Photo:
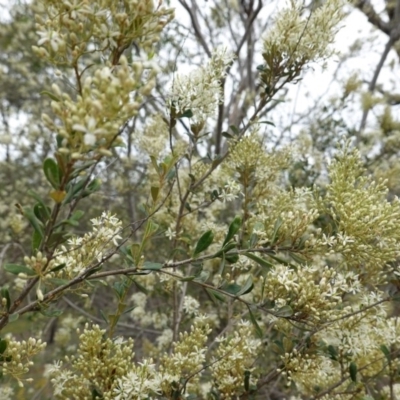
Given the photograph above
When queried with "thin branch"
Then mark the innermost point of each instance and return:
(101, 321)
(393, 30)
(373, 82)
(368, 10)
(196, 26)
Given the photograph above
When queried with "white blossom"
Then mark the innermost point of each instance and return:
(200, 91)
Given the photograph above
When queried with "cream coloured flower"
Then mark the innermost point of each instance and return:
(200, 91)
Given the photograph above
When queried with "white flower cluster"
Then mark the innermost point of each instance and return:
(312, 294)
(97, 114)
(138, 383)
(238, 352)
(301, 37)
(200, 91)
(67, 28)
(368, 237)
(83, 251)
(108, 365)
(17, 358)
(191, 305)
(231, 191)
(81, 35)
(6, 392)
(357, 338)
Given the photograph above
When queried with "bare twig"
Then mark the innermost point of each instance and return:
(366, 7)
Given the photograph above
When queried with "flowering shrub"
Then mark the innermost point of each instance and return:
(222, 280)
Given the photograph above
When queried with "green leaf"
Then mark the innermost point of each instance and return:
(171, 174)
(93, 270)
(234, 129)
(247, 380)
(202, 276)
(36, 241)
(188, 278)
(96, 394)
(258, 226)
(40, 201)
(282, 261)
(222, 265)
(51, 313)
(229, 246)
(73, 189)
(50, 94)
(232, 288)
(5, 294)
(233, 229)
(151, 229)
(3, 346)
(247, 287)
(267, 122)
(57, 281)
(70, 221)
(17, 269)
(155, 164)
(332, 352)
(77, 215)
(253, 240)
(104, 316)
(135, 251)
(52, 172)
(227, 135)
(214, 195)
(261, 67)
(42, 212)
(58, 267)
(277, 226)
(186, 114)
(120, 287)
(140, 287)
(78, 169)
(255, 323)
(215, 295)
(155, 190)
(93, 186)
(152, 266)
(204, 242)
(58, 238)
(386, 352)
(284, 312)
(297, 258)
(353, 371)
(36, 224)
(13, 317)
(232, 258)
(264, 263)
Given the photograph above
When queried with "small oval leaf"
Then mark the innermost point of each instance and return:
(247, 287)
(204, 242)
(155, 190)
(3, 346)
(36, 224)
(152, 266)
(17, 269)
(284, 312)
(353, 371)
(52, 172)
(233, 229)
(253, 320)
(264, 263)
